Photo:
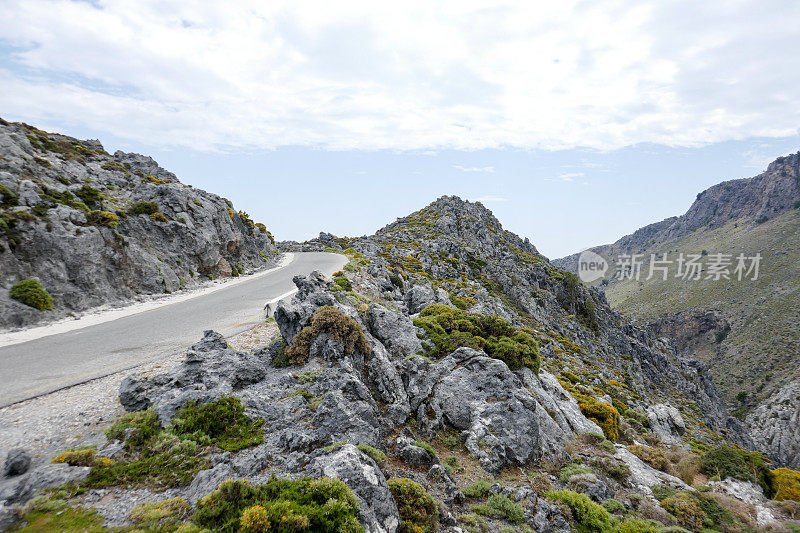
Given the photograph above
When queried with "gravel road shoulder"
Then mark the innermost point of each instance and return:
(78, 416)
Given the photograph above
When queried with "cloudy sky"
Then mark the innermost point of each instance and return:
(576, 122)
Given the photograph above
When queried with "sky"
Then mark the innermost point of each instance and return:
(574, 122)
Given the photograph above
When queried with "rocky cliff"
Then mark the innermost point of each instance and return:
(746, 330)
(99, 229)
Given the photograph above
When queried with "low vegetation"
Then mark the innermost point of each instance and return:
(31, 293)
(337, 326)
(448, 328)
(418, 509)
(171, 457)
(280, 505)
(143, 208)
(221, 423)
(728, 462)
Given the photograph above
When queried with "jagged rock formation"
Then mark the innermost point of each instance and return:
(775, 425)
(747, 331)
(68, 216)
(458, 251)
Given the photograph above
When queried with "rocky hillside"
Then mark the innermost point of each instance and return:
(448, 379)
(96, 229)
(457, 253)
(747, 331)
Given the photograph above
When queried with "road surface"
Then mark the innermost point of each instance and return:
(50, 363)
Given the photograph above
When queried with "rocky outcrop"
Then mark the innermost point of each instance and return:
(666, 423)
(775, 426)
(66, 218)
(504, 418)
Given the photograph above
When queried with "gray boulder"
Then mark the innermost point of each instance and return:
(210, 370)
(394, 330)
(377, 509)
(313, 292)
(418, 298)
(17, 462)
(472, 392)
(20, 489)
(666, 422)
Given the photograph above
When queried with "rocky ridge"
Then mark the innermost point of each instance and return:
(97, 229)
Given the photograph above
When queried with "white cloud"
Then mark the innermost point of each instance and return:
(489, 198)
(452, 75)
(473, 169)
(569, 176)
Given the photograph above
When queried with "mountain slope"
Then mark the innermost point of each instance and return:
(99, 229)
(460, 251)
(748, 331)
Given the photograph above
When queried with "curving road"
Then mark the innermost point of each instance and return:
(53, 362)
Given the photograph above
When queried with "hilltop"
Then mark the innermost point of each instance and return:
(95, 229)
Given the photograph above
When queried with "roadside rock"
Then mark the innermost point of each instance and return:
(394, 330)
(20, 489)
(17, 462)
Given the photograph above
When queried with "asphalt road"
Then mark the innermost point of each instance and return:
(50, 363)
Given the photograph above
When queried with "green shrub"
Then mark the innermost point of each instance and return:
(726, 461)
(115, 166)
(143, 208)
(158, 217)
(89, 195)
(43, 514)
(449, 328)
(146, 427)
(417, 508)
(428, 448)
(501, 506)
(638, 526)
(31, 293)
(104, 218)
(221, 423)
(337, 325)
(342, 283)
(686, 509)
(479, 489)
(613, 506)
(787, 484)
(165, 461)
(288, 505)
(374, 453)
(592, 517)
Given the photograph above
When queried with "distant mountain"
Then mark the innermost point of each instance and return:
(748, 331)
(95, 228)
